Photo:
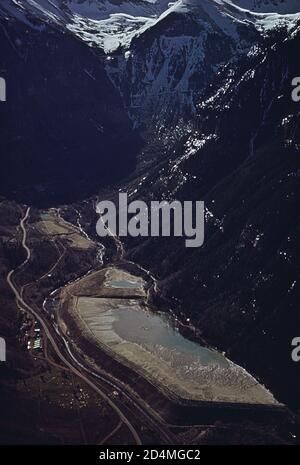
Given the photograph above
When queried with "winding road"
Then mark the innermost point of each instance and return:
(98, 380)
(47, 331)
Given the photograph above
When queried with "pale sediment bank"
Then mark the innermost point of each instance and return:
(113, 316)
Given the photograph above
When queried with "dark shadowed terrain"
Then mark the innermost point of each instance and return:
(195, 106)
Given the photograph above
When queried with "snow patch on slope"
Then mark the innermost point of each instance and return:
(110, 24)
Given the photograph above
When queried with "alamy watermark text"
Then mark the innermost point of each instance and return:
(163, 218)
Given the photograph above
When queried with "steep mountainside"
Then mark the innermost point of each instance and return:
(213, 77)
(167, 67)
(241, 289)
(267, 6)
(163, 73)
(68, 120)
(161, 55)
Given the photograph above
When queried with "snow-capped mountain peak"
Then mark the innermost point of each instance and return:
(269, 6)
(110, 24)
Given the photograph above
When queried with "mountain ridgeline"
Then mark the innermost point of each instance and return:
(241, 289)
(207, 87)
(64, 130)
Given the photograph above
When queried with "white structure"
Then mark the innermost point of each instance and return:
(2, 90)
(2, 350)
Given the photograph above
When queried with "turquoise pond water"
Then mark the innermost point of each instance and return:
(144, 327)
(123, 284)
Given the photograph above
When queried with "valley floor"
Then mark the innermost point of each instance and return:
(42, 285)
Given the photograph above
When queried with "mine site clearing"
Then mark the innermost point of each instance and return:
(110, 310)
